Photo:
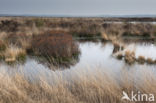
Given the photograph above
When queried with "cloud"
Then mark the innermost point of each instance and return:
(78, 7)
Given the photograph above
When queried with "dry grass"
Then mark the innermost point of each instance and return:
(141, 59)
(117, 47)
(105, 36)
(81, 27)
(99, 87)
(150, 61)
(3, 35)
(56, 46)
(13, 53)
(130, 57)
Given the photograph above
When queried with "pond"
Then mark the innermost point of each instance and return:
(95, 56)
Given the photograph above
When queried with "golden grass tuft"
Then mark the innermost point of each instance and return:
(150, 61)
(105, 36)
(141, 60)
(14, 53)
(130, 57)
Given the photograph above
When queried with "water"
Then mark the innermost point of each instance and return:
(95, 56)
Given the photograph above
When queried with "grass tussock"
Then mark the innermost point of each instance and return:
(141, 60)
(14, 53)
(129, 57)
(150, 61)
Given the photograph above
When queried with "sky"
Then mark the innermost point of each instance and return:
(78, 7)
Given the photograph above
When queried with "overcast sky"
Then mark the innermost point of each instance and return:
(78, 7)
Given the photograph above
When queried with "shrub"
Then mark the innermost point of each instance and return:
(9, 25)
(55, 46)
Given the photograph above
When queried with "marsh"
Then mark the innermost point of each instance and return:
(87, 59)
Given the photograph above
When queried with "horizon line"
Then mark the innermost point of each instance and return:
(73, 15)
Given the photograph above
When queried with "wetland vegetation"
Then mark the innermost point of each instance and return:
(76, 60)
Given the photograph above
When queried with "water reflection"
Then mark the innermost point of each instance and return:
(95, 56)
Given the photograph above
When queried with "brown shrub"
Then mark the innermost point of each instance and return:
(9, 25)
(55, 44)
(81, 27)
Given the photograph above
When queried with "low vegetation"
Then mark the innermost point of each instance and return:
(80, 27)
(150, 61)
(141, 60)
(55, 46)
(99, 87)
(120, 56)
(14, 53)
(129, 57)
(52, 39)
(2, 45)
(117, 47)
